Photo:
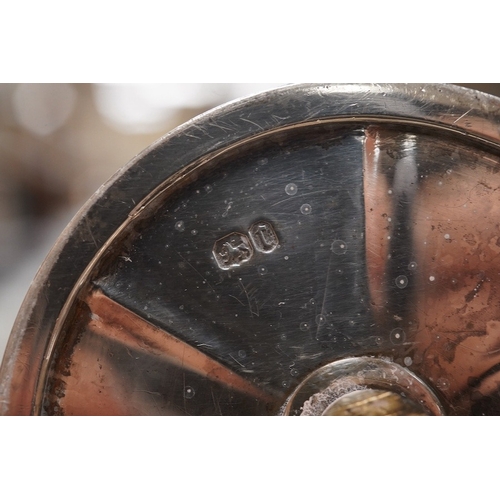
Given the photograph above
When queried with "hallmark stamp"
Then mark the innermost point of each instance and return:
(237, 248)
(263, 236)
(232, 250)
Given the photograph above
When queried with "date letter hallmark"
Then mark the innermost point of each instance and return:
(232, 250)
(263, 237)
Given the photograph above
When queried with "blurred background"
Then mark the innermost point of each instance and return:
(60, 142)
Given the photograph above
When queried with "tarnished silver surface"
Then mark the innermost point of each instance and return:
(267, 239)
(372, 402)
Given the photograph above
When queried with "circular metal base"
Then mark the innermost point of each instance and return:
(270, 241)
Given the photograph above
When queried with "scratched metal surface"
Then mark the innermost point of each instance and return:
(268, 238)
(274, 317)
